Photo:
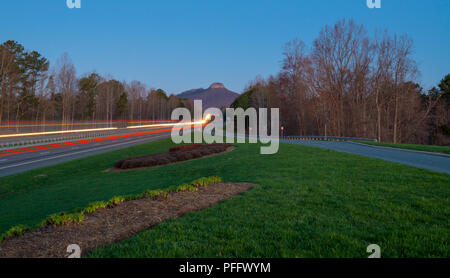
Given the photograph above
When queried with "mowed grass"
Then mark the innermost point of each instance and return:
(310, 203)
(423, 148)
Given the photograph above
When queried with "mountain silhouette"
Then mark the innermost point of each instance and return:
(215, 96)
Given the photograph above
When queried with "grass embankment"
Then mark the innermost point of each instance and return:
(423, 148)
(78, 216)
(310, 203)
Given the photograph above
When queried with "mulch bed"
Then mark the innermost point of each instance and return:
(107, 226)
(175, 154)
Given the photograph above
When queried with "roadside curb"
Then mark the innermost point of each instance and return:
(400, 149)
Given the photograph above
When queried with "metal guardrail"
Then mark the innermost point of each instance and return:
(39, 139)
(327, 138)
(89, 135)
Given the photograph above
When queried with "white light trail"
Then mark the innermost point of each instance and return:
(56, 132)
(167, 125)
(100, 129)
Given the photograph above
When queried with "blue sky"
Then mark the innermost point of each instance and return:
(183, 44)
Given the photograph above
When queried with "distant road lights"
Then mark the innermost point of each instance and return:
(168, 125)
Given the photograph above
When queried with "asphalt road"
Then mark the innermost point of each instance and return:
(422, 160)
(22, 162)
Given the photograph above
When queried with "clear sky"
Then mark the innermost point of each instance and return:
(183, 44)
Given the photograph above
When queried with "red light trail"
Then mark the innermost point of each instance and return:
(77, 142)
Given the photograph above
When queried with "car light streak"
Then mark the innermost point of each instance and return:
(86, 122)
(49, 124)
(166, 125)
(56, 132)
(99, 129)
(46, 125)
(80, 142)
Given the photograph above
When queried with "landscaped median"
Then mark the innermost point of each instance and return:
(121, 217)
(175, 155)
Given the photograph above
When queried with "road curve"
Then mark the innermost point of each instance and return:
(422, 160)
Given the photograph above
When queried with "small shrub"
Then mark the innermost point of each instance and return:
(175, 154)
(93, 207)
(13, 232)
(134, 197)
(205, 151)
(118, 164)
(172, 158)
(216, 149)
(187, 187)
(163, 161)
(188, 155)
(153, 193)
(207, 181)
(115, 201)
(124, 164)
(180, 156)
(63, 218)
(196, 153)
(163, 195)
(136, 163)
(172, 188)
(149, 162)
(182, 187)
(192, 188)
(133, 164)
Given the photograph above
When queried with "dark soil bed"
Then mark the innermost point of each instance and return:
(115, 224)
(175, 154)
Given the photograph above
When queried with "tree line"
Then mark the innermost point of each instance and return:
(31, 90)
(355, 85)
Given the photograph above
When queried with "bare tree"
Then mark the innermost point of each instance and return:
(9, 76)
(297, 74)
(66, 84)
(334, 51)
(136, 91)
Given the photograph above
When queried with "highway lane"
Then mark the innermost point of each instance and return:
(22, 162)
(61, 137)
(432, 162)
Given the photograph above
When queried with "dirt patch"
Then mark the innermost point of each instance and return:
(112, 225)
(178, 159)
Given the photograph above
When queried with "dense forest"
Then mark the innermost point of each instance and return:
(31, 90)
(350, 84)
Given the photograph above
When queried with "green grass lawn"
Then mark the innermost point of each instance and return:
(310, 203)
(424, 148)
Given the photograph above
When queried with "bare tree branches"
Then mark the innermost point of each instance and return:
(348, 85)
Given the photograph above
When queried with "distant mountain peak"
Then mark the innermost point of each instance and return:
(215, 96)
(217, 85)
